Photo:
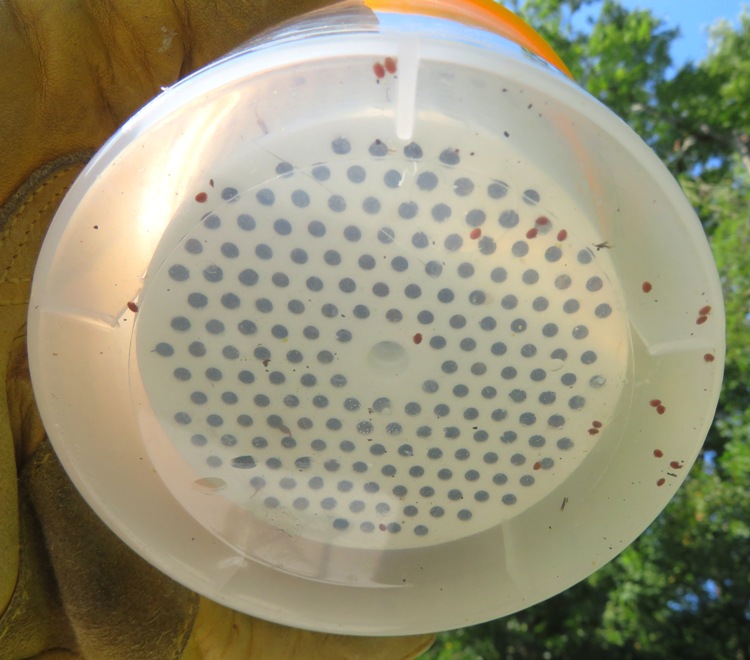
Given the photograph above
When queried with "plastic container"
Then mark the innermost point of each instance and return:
(380, 325)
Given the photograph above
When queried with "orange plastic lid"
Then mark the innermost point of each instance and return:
(480, 13)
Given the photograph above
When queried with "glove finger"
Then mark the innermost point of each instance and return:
(221, 634)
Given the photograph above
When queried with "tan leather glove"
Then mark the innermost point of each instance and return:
(72, 72)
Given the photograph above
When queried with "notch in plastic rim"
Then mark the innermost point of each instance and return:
(485, 14)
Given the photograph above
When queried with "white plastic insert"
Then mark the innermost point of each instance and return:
(383, 330)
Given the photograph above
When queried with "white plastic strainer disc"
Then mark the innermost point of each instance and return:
(387, 330)
(384, 341)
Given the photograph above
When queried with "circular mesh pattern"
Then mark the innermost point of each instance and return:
(382, 343)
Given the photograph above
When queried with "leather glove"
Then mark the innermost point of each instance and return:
(72, 72)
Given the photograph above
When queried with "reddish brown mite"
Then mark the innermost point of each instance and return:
(708, 357)
(378, 69)
(654, 402)
(538, 465)
(132, 307)
(593, 431)
(596, 424)
(390, 65)
(675, 465)
(201, 197)
(417, 338)
(658, 453)
(562, 235)
(703, 313)
(660, 410)
(475, 233)
(382, 527)
(646, 287)
(532, 232)
(542, 221)
(661, 482)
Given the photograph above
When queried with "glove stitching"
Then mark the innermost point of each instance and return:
(9, 207)
(14, 220)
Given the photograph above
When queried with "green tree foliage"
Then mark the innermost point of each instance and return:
(683, 589)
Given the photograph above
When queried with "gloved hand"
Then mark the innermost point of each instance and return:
(72, 72)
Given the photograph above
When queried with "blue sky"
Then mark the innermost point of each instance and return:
(693, 18)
